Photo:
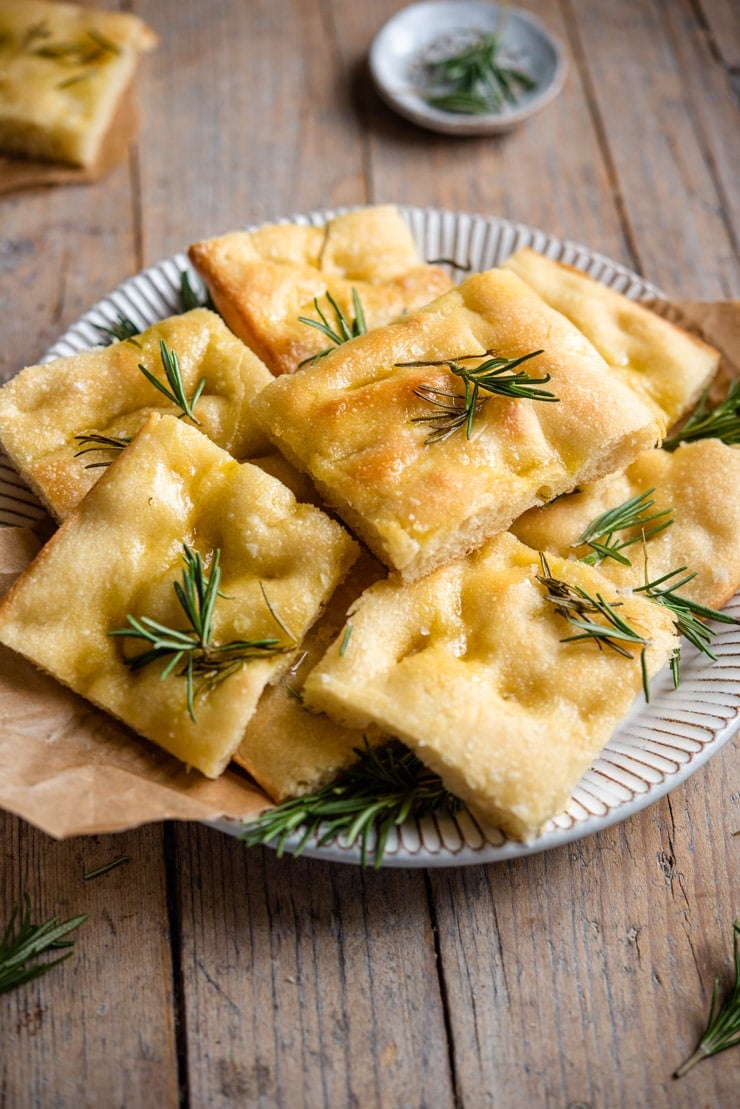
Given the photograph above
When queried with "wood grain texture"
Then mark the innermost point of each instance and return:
(212, 976)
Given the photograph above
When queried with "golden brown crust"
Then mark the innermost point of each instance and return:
(349, 422)
(44, 407)
(65, 69)
(668, 367)
(263, 281)
(121, 550)
(699, 481)
(469, 668)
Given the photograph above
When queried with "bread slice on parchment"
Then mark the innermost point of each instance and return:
(119, 555)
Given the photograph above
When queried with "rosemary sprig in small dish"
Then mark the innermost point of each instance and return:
(721, 422)
(723, 1024)
(495, 375)
(23, 943)
(190, 652)
(341, 331)
(386, 786)
(475, 79)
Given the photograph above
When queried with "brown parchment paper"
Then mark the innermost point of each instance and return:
(70, 769)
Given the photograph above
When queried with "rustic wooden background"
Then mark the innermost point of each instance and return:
(211, 976)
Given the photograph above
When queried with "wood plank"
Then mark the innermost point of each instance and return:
(646, 108)
(306, 983)
(99, 1028)
(245, 120)
(722, 19)
(583, 975)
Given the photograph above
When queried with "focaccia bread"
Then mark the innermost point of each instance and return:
(120, 553)
(288, 750)
(699, 481)
(64, 71)
(263, 281)
(667, 367)
(104, 392)
(469, 668)
(350, 422)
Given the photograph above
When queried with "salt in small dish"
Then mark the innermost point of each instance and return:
(423, 33)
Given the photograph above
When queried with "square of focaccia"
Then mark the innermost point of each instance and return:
(469, 668)
(64, 70)
(103, 391)
(263, 281)
(350, 423)
(666, 366)
(699, 482)
(121, 551)
(288, 750)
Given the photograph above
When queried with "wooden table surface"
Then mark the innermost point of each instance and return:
(209, 975)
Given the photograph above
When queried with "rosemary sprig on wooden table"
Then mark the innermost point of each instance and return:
(341, 331)
(494, 376)
(474, 80)
(723, 1024)
(24, 942)
(192, 648)
(578, 607)
(603, 534)
(721, 422)
(384, 788)
(176, 392)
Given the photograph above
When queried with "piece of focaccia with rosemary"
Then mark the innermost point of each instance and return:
(140, 554)
(64, 71)
(62, 422)
(288, 750)
(695, 487)
(380, 424)
(263, 281)
(469, 667)
(666, 366)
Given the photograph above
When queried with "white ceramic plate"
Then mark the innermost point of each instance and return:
(437, 28)
(658, 746)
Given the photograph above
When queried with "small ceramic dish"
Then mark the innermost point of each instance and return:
(423, 33)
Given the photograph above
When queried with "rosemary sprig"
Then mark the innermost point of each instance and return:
(121, 329)
(495, 375)
(95, 442)
(721, 422)
(176, 392)
(341, 332)
(23, 942)
(384, 788)
(475, 80)
(603, 534)
(189, 299)
(192, 648)
(578, 607)
(723, 1024)
(688, 615)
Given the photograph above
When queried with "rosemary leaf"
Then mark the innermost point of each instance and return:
(631, 514)
(189, 299)
(473, 80)
(723, 1024)
(496, 375)
(341, 331)
(384, 788)
(192, 649)
(23, 942)
(94, 442)
(100, 870)
(721, 422)
(176, 392)
(121, 329)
